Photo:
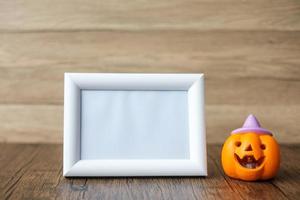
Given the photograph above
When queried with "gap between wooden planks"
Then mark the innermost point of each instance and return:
(44, 123)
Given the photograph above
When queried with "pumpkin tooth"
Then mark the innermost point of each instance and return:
(251, 165)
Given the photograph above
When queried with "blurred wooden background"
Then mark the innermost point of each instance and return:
(249, 51)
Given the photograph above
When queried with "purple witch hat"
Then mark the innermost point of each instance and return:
(251, 125)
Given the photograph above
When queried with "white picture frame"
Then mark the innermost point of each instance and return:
(193, 84)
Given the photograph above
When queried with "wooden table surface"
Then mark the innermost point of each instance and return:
(34, 171)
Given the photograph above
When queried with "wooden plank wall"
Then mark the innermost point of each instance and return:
(248, 50)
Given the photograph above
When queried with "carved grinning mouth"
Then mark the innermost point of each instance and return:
(249, 162)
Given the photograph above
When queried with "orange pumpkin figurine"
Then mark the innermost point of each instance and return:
(251, 153)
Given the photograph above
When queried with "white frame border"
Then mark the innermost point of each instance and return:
(193, 83)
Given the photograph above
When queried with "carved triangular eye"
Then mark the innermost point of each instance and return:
(263, 147)
(249, 148)
(238, 143)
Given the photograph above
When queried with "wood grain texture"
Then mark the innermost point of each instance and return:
(19, 15)
(31, 123)
(246, 72)
(239, 66)
(44, 123)
(248, 50)
(39, 176)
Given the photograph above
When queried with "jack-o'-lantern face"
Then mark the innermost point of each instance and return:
(250, 156)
